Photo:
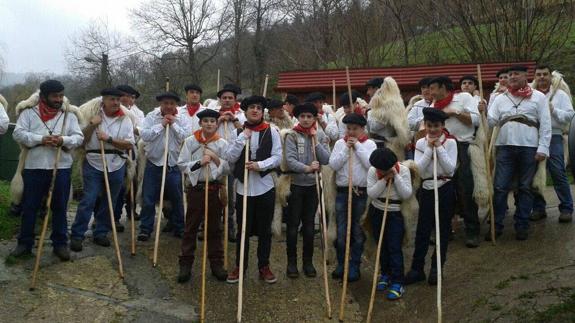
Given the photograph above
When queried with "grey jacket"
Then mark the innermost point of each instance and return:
(299, 154)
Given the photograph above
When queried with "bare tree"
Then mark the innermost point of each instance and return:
(240, 21)
(193, 28)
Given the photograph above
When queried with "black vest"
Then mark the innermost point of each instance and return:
(264, 152)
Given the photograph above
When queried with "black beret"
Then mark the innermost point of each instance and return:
(208, 113)
(434, 115)
(193, 87)
(230, 88)
(275, 104)
(354, 118)
(305, 107)
(374, 82)
(502, 71)
(344, 98)
(291, 99)
(517, 68)
(111, 92)
(469, 78)
(254, 99)
(382, 159)
(442, 80)
(128, 89)
(51, 86)
(315, 96)
(424, 81)
(168, 95)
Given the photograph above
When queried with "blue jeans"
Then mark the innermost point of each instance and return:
(36, 186)
(358, 204)
(511, 161)
(556, 167)
(391, 257)
(94, 187)
(151, 195)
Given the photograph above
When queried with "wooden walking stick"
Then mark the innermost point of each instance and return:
(162, 186)
(487, 159)
(333, 97)
(111, 210)
(205, 246)
(218, 84)
(437, 238)
(132, 220)
(48, 208)
(319, 188)
(265, 91)
(226, 208)
(243, 234)
(377, 255)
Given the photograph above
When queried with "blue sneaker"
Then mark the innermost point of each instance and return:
(383, 283)
(395, 292)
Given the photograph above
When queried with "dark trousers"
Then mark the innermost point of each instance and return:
(194, 217)
(391, 256)
(358, 204)
(465, 185)
(259, 215)
(36, 186)
(303, 205)
(426, 223)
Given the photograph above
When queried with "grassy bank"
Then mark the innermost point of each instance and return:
(8, 223)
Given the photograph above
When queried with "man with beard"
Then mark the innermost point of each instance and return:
(520, 110)
(40, 130)
(113, 127)
(562, 112)
(264, 156)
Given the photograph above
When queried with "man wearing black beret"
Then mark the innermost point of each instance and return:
(192, 106)
(373, 85)
(325, 115)
(128, 99)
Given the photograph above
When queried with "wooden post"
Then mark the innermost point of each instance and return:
(265, 91)
(218, 84)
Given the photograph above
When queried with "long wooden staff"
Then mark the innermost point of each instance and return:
(162, 185)
(243, 234)
(205, 246)
(111, 210)
(377, 255)
(226, 208)
(48, 207)
(487, 159)
(218, 84)
(333, 96)
(437, 237)
(132, 220)
(319, 188)
(265, 91)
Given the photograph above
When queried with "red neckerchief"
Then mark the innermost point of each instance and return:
(524, 92)
(361, 139)
(359, 111)
(234, 109)
(305, 131)
(193, 108)
(118, 113)
(380, 174)
(441, 104)
(46, 113)
(200, 137)
(257, 127)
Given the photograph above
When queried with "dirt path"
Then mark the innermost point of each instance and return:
(511, 282)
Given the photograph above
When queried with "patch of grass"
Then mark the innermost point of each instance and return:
(8, 223)
(496, 307)
(562, 312)
(527, 295)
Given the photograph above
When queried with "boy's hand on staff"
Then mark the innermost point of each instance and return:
(168, 119)
(102, 135)
(252, 165)
(431, 142)
(540, 157)
(314, 167)
(351, 141)
(206, 159)
(247, 133)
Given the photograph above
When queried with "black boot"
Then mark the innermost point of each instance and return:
(291, 269)
(185, 273)
(21, 251)
(413, 276)
(308, 268)
(62, 252)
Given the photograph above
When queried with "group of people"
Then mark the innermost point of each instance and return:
(381, 151)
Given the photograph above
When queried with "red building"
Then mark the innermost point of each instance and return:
(300, 83)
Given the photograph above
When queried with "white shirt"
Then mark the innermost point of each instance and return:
(257, 185)
(29, 132)
(415, 115)
(535, 108)
(4, 120)
(138, 115)
(192, 152)
(116, 127)
(400, 189)
(562, 111)
(463, 102)
(338, 161)
(230, 133)
(331, 129)
(192, 121)
(153, 134)
(446, 161)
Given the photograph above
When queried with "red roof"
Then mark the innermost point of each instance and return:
(406, 77)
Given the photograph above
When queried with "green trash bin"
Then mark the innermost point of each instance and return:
(9, 152)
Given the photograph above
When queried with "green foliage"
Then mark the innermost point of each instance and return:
(8, 223)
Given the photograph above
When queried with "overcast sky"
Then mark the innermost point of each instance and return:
(34, 33)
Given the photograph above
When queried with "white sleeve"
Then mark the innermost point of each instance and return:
(562, 108)
(447, 156)
(375, 187)
(544, 126)
(4, 120)
(74, 136)
(402, 183)
(339, 155)
(22, 133)
(363, 151)
(471, 107)
(423, 154)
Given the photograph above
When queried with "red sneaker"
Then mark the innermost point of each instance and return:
(234, 276)
(267, 275)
